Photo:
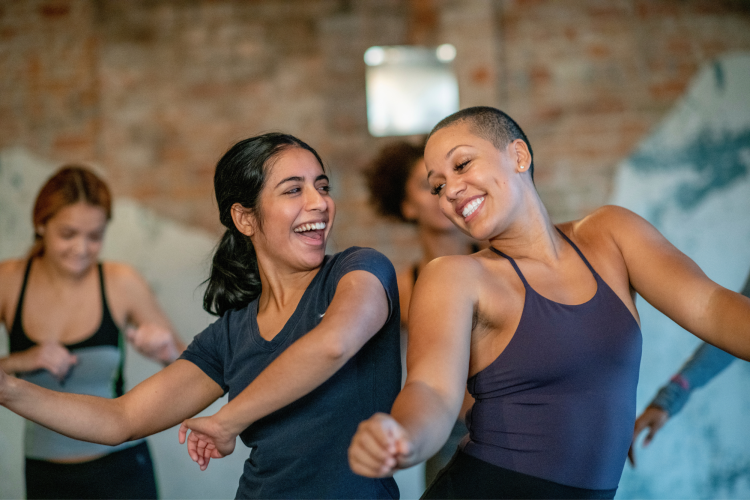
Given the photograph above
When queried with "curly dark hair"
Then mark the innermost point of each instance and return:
(387, 175)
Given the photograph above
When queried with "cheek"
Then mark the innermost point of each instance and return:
(445, 207)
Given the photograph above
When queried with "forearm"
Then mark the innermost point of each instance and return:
(426, 416)
(18, 362)
(301, 368)
(729, 323)
(86, 418)
(706, 362)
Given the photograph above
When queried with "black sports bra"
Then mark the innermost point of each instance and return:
(107, 334)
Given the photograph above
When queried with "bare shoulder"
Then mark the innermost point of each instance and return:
(609, 228)
(457, 268)
(606, 221)
(11, 278)
(12, 268)
(123, 278)
(11, 275)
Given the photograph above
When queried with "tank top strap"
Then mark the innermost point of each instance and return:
(580, 254)
(515, 266)
(106, 315)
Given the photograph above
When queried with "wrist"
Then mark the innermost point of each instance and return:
(228, 421)
(8, 387)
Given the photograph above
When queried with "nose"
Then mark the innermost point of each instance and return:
(314, 200)
(80, 246)
(453, 187)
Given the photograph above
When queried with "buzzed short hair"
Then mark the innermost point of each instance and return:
(491, 125)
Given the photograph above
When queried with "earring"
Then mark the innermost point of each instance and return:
(521, 167)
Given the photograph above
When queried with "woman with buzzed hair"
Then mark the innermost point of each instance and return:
(542, 326)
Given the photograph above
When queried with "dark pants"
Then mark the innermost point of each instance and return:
(127, 473)
(468, 477)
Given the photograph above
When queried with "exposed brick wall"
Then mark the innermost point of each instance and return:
(155, 91)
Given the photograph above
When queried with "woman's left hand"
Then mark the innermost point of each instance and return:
(208, 439)
(154, 341)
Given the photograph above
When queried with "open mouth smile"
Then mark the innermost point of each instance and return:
(471, 207)
(314, 226)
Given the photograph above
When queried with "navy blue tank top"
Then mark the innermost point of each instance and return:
(559, 402)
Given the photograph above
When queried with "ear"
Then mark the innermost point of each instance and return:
(244, 220)
(39, 230)
(522, 155)
(408, 210)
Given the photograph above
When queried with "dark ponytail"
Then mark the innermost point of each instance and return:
(240, 175)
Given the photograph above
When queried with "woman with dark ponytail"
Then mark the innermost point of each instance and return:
(306, 344)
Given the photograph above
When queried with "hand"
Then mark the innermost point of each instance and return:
(53, 357)
(379, 447)
(652, 418)
(208, 439)
(153, 341)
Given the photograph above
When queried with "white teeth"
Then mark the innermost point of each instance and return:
(310, 227)
(471, 207)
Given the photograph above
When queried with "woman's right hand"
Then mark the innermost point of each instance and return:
(53, 357)
(653, 418)
(380, 447)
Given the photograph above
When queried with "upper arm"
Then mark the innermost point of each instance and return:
(140, 303)
(440, 323)
(177, 392)
(664, 276)
(359, 309)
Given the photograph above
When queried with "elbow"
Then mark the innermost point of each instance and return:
(336, 349)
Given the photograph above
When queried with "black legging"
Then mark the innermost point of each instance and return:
(468, 478)
(127, 473)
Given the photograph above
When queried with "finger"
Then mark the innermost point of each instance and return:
(182, 433)
(369, 443)
(201, 449)
(192, 447)
(131, 333)
(369, 460)
(363, 465)
(381, 431)
(403, 447)
(651, 433)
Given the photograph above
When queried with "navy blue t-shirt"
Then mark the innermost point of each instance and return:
(300, 451)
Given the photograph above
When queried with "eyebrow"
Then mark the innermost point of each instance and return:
(447, 155)
(300, 179)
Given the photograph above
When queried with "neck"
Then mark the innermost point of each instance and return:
(281, 288)
(531, 234)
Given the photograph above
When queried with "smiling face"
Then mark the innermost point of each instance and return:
(480, 187)
(296, 211)
(420, 205)
(72, 238)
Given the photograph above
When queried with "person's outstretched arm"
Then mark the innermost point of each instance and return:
(440, 323)
(358, 310)
(159, 402)
(672, 283)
